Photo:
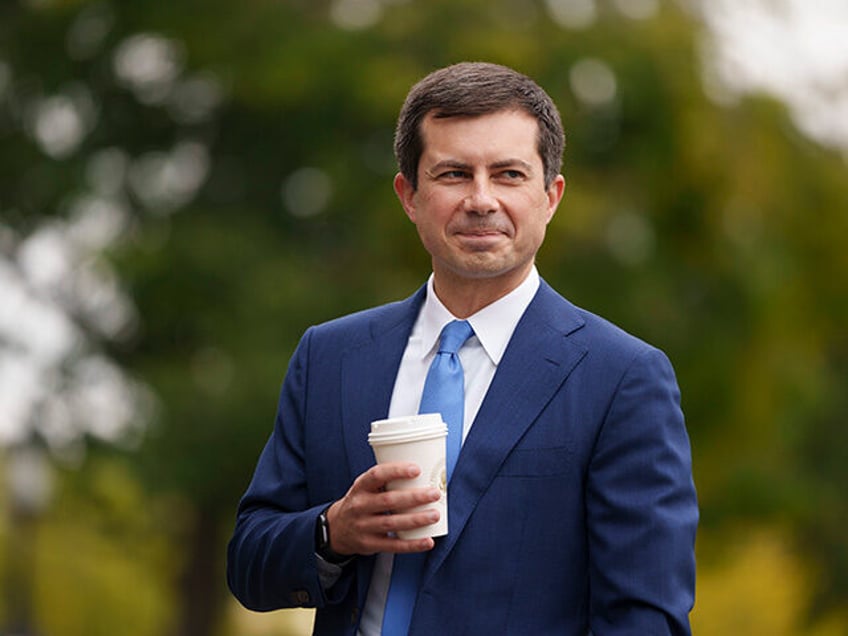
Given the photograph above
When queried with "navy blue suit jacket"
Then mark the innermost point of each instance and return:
(572, 506)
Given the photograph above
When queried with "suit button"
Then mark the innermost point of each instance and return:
(354, 615)
(299, 597)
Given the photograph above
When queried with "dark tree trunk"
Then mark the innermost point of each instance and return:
(201, 591)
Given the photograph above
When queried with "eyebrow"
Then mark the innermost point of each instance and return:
(503, 163)
(509, 163)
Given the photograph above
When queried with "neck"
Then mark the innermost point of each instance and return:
(464, 297)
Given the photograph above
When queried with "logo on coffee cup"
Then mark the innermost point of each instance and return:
(439, 477)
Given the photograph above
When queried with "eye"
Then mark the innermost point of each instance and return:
(453, 174)
(512, 175)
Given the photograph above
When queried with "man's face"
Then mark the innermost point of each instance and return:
(481, 207)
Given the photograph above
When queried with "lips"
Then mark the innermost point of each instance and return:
(481, 240)
(482, 231)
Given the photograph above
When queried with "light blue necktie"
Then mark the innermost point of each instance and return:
(444, 392)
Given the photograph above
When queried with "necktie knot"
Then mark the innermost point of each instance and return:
(454, 336)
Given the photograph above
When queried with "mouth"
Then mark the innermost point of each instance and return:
(477, 239)
(481, 231)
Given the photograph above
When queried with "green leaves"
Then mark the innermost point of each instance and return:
(246, 154)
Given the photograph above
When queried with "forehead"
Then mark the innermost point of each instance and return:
(493, 136)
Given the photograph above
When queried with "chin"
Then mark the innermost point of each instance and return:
(488, 270)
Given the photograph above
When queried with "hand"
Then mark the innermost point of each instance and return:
(361, 521)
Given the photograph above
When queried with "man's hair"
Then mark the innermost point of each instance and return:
(471, 89)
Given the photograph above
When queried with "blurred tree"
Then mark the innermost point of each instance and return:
(245, 155)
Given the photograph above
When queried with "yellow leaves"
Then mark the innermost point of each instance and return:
(757, 587)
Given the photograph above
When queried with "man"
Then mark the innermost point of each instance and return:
(571, 507)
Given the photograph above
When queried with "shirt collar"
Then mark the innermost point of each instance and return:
(493, 324)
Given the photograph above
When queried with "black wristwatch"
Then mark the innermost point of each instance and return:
(322, 541)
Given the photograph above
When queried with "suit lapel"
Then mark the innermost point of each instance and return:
(536, 362)
(368, 371)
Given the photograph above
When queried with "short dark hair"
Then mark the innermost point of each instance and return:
(470, 89)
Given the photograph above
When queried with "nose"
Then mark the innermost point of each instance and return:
(481, 199)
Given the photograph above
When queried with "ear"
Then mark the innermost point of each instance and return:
(555, 192)
(406, 194)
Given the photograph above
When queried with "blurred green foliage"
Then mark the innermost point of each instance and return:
(715, 232)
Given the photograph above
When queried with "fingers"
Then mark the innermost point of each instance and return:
(398, 546)
(377, 477)
(398, 501)
(366, 519)
(353, 533)
(379, 534)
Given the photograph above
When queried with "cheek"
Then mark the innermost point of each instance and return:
(429, 232)
(534, 219)
(433, 213)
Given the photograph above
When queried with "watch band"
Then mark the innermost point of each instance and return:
(322, 541)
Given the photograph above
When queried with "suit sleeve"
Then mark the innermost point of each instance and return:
(271, 562)
(642, 509)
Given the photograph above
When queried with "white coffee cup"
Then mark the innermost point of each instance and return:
(420, 439)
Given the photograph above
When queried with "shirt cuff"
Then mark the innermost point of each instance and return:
(329, 573)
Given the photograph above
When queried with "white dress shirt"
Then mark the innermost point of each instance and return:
(493, 326)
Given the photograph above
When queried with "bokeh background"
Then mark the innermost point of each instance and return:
(186, 185)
